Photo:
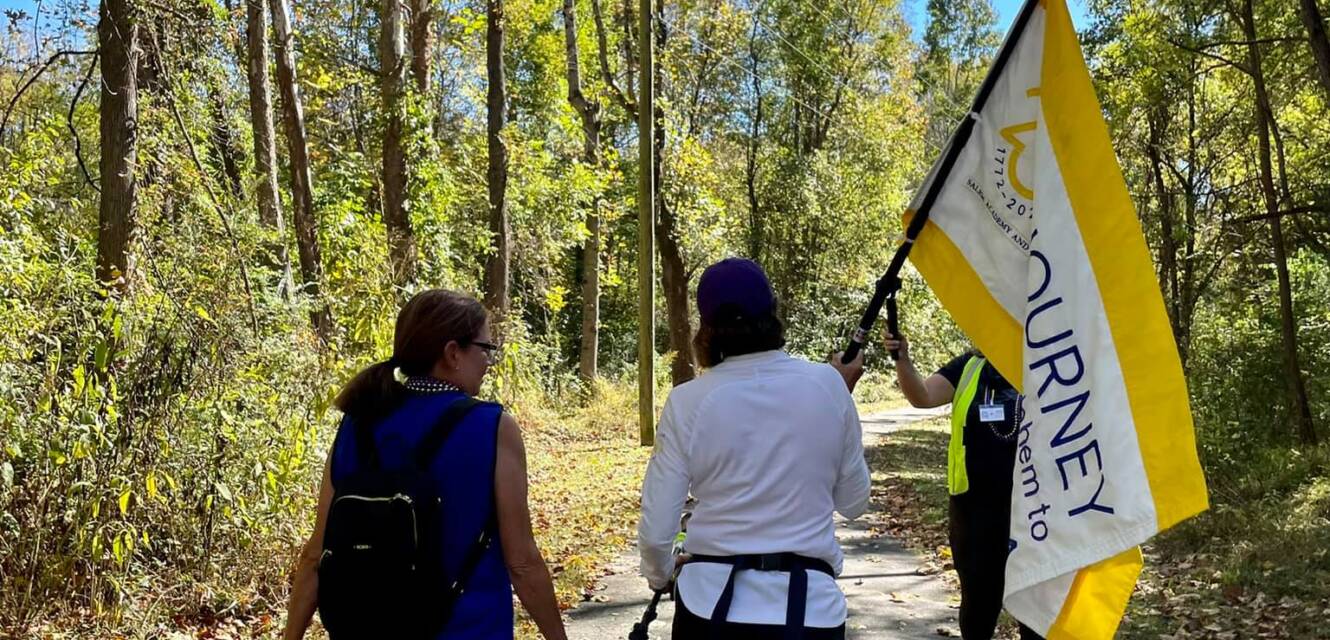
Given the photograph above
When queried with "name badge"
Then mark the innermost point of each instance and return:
(992, 413)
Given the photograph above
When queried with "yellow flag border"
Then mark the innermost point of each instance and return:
(1098, 598)
(974, 309)
(1146, 350)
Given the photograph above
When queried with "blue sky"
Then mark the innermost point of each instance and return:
(1007, 10)
(30, 7)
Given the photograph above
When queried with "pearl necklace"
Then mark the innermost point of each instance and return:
(423, 384)
(1017, 416)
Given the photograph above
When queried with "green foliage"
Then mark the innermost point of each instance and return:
(958, 45)
(960, 38)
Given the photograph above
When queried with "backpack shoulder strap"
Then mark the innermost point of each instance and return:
(367, 453)
(477, 550)
(443, 427)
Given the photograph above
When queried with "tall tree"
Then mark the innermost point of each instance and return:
(497, 265)
(1264, 114)
(960, 39)
(673, 274)
(625, 99)
(422, 43)
(590, 113)
(117, 39)
(1316, 38)
(392, 69)
(753, 147)
(260, 118)
(1155, 90)
(223, 143)
(302, 188)
(1157, 122)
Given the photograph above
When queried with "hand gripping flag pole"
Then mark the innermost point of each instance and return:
(890, 283)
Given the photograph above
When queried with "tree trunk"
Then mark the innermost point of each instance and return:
(1320, 44)
(674, 281)
(496, 267)
(630, 48)
(1191, 288)
(392, 54)
(422, 43)
(754, 145)
(224, 144)
(603, 55)
(260, 116)
(1299, 405)
(265, 149)
(117, 38)
(673, 275)
(1168, 241)
(590, 348)
(302, 188)
(590, 114)
(149, 59)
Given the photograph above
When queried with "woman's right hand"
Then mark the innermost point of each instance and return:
(901, 345)
(679, 561)
(850, 372)
(526, 567)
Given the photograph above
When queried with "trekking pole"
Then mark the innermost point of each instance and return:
(640, 629)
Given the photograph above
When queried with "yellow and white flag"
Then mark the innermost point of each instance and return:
(1033, 246)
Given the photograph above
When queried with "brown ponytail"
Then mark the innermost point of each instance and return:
(425, 325)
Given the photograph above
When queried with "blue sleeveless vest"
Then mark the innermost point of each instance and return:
(464, 471)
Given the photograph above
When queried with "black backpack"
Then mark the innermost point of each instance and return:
(381, 573)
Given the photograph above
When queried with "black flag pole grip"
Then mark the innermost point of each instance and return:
(885, 293)
(893, 325)
(639, 631)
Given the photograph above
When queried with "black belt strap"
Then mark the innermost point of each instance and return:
(796, 565)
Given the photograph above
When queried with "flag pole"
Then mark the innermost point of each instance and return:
(890, 283)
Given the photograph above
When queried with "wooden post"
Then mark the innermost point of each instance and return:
(646, 224)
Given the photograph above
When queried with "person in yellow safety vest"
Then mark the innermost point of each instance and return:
(980, 456)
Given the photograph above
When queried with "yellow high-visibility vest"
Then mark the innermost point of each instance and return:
(957, 480)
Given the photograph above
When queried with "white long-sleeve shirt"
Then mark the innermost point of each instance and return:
(769, 445)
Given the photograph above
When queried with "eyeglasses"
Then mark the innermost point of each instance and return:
(492, 351)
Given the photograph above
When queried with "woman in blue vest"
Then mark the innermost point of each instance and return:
(770, 446)
(442, 347)
(980, 459)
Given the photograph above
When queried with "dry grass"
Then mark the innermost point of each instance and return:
(586, 469)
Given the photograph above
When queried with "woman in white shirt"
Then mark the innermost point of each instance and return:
(769, 445)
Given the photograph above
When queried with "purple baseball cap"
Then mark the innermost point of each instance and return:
(737, 281)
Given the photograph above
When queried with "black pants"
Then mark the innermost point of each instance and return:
(978, 529)
(688, 626)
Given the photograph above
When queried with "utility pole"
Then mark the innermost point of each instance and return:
(646, 224)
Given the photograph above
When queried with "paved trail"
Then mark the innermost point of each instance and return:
(891, 592)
